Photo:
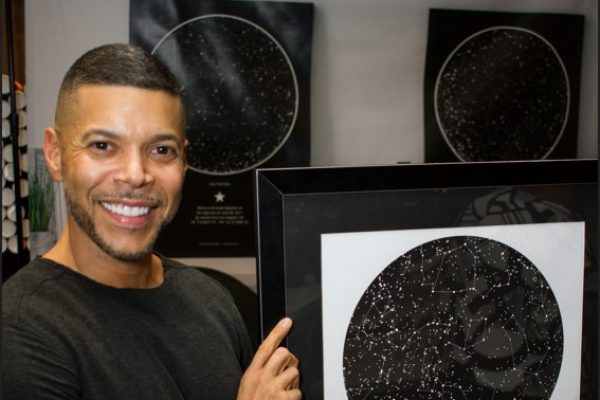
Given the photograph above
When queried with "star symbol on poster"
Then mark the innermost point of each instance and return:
(219, 197)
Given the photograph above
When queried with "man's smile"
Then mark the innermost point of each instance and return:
(125, 210)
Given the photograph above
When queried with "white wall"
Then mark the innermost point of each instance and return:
(367, 73)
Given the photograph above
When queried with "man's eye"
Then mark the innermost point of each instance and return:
(100, 145)
(164, 150)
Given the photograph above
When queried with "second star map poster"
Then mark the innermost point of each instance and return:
(501, 86)
(488, 312)
(244, 68)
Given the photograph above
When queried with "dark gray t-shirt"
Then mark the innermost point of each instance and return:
(68, 337)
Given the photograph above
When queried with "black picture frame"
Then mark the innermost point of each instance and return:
(295, 206)
(494, 106)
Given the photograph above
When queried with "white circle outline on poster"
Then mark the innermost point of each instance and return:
(292, 73)
(457, 152)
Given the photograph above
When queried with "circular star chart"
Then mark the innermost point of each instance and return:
(239, 88)
(502, 94)
(461, 317)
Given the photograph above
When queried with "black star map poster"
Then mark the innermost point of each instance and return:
(245, 72)
(501, 86)
(455, 313)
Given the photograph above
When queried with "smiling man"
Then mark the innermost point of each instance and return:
(120, 151)
(102, 316)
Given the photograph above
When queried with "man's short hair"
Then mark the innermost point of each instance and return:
(117, 64)
(123, 65)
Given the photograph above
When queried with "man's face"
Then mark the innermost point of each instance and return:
(121, 156)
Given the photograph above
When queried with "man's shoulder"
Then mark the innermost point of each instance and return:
(180, 269)
(195, 277)
(172, 263)
(29, 278)
(30, 286)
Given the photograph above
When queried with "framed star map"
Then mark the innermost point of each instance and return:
(434, 281)
(244, 69)
(501, 86)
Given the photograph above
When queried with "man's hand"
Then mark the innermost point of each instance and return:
(273, 373)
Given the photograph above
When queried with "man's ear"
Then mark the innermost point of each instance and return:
(52, 153)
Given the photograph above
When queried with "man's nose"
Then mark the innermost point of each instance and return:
(133, 169)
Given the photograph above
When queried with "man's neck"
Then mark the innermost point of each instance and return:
(85, 257)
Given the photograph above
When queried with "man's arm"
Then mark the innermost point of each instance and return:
(32, 369)
(273, 373)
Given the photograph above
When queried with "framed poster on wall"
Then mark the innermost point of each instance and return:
(244, 68)
(501, 86)
(453, 280)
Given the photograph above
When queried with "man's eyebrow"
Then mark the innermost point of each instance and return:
(99, 132)
(158, 137)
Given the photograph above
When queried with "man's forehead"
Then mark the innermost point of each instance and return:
(99, 96)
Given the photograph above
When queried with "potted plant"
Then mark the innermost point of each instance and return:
(41, 207)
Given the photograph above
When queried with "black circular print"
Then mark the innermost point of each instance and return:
(502, 94)
(461, 317)
(239, 89)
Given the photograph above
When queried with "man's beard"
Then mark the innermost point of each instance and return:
(85, 222)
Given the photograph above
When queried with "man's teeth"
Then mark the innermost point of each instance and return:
(126, 211)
